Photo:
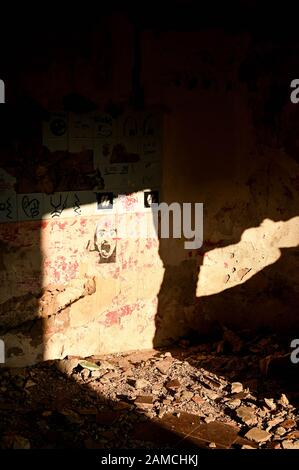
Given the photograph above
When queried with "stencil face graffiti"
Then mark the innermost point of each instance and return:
(105, 244)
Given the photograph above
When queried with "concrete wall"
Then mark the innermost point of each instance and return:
(221, 146)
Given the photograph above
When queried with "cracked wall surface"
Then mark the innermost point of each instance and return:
(227, 142)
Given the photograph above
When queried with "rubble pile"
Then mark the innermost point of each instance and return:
(204, 396)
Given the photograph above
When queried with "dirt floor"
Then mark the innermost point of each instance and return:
(236, 392)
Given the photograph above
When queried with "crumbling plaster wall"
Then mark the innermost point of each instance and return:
(57, 300)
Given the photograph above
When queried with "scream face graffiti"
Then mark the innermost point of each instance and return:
(105, 243)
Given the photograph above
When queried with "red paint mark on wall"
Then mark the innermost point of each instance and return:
(130, 201)
(116, 273)
(114, 316)
(149, 244)
(62, 225)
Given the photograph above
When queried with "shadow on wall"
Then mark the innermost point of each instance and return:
(265, 298)
(200, 288)
(220, 283)
(268, 300)
(246, 269)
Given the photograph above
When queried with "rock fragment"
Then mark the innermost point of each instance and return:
(236, 387)
(247, 415)
(258, 435)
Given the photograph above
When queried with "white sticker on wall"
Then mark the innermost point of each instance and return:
(68, 204)
(8, 206)
(30, 206)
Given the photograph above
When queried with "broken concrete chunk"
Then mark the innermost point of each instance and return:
(173, 384)
(138, 383)
(236, 387)
(66, 366)
(247, 415)
(287, 444)
(211, 394)
(273, 422)
(288, 423)
(280, 431)
(186, 395)
(293, 435)
(209, 419)
(141, 356)
(197, 399)
(233, 404)
(258, 435)
(164, 365)
(283, 401)
(144, 401)
(270, 403)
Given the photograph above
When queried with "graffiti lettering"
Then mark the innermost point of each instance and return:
(30, 207)
(59, 207)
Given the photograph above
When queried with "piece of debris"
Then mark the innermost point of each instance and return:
(186, 395)
(233, 404)
(247, 415)
(164, 365)
(236, 387)
(138, 383)
(173, 384)
(89, 365)
(144, 401)
(280, 431)
(109, 398)
(283, 401)
(287, 444)
(288, 423)
(258, 435)
(270, 403)
(67, 365)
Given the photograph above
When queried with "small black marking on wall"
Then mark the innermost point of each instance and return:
(104, 200)
(150, 198)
